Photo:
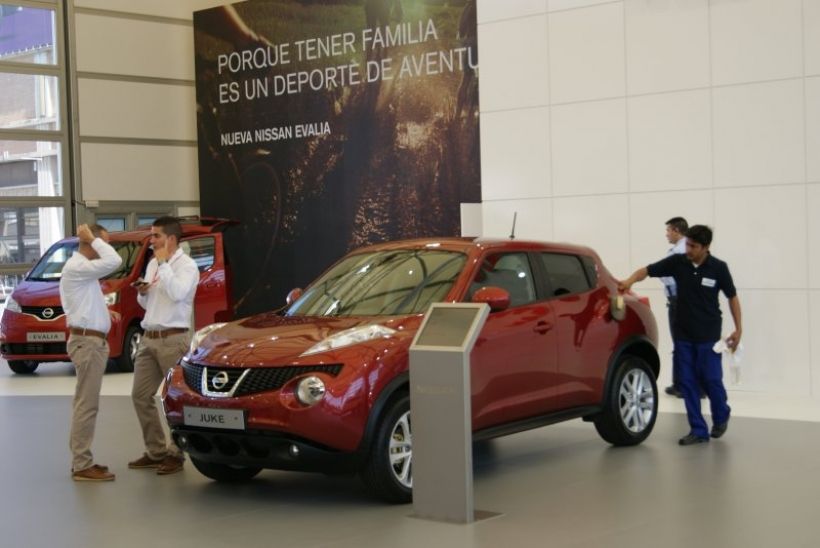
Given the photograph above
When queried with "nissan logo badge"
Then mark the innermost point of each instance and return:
(219, 380)
(48, 313)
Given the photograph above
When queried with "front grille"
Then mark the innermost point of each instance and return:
(29, 349)
(43, 312)
(261, 379)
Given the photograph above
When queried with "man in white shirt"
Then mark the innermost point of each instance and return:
(89, 321)
(167, 295)
(676, 229)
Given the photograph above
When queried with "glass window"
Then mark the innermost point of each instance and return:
(30, 168)
(29, 101)
(27, 35)
(510, 271)
(111, 224)
(27, 232)
(50, 267)
(565, 274)
(146, 220)
(201, 250)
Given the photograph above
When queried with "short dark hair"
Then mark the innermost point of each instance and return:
(678, 224)
(700, 234)
(97, 230)
(170, 226)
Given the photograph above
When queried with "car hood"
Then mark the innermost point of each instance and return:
(271, 339)
(35, 293)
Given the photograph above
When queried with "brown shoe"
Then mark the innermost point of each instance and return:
(93, 473)
(170, 465)
(145, 462)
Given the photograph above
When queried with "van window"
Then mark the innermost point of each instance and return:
(50, 266)
(201, 250)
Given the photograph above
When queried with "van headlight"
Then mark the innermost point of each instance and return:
(310, 390)
(112, 298)
(12, 305)
(348, 337)
(200, 335)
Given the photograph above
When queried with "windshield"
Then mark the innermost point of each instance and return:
(50, 267)
(382, 283)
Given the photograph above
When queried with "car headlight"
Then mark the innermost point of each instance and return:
(112, 298)
(200, 335)
(310, 390)
(348, 337)
(12, 305)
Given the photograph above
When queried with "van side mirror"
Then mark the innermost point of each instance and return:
(293, 295)
(496, 297)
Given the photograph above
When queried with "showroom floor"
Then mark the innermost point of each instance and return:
(557, 486)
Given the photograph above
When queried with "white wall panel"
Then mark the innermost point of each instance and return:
(181, 9)
(513, 58)
(600, 222)
(533, 222)
(670, 141)
(493, 10)
(649, 213)
(589, 148)
(515, 155)
(761, 233)
(755, 40)
(586, 51)
(811, 36)
(667, 45)
(759, 134)
(556, 5)
(775, 341)
(813, 209)
(814, 332)
(139, 173)
(813, 129)
(139, 48)
(128, 109)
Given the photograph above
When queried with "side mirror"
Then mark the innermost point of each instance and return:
(497, 298)
(293, 296)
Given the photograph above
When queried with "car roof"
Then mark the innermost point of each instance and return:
(465, 245)
(191, 226)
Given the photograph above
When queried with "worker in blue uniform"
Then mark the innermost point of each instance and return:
(699, 277)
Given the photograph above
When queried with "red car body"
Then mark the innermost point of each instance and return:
(34, 330)
(550, 359)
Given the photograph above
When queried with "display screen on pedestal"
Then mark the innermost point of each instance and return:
(447, 326)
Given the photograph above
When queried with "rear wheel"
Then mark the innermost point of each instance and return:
(225, 472)
(130, 345)
(631, 406)
(388, 473)
(23, 367)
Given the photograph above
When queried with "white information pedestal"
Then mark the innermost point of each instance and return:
(440, 411)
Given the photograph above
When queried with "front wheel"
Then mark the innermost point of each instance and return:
(130, 345)
(224, 472)
(388, 473)
(23, 367)
(631, 406)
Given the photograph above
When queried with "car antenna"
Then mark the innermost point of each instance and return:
(512, 233)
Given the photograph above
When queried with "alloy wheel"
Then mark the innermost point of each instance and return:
(636, 400)
(401, 451)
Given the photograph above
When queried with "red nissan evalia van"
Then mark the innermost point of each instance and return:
(33, 329)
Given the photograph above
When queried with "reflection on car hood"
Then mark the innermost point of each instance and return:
(271, 339)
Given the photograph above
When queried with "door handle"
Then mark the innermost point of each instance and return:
(542, 327)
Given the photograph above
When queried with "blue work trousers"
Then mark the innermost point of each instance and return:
(700, 367)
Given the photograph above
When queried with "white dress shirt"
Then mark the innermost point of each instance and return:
(677, 249)
(170, 298)
(80, 290)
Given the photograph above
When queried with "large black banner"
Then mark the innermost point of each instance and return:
(327, 125)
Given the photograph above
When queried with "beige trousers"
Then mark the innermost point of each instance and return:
(154, 358)
(90, 355)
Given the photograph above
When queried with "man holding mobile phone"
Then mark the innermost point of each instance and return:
(167, 295)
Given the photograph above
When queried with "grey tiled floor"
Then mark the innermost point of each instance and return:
(556, 486)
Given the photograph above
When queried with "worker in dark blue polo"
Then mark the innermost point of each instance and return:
(699, 277)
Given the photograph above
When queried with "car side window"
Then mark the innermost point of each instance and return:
(201, 250)
(510, 271)
(565, 273)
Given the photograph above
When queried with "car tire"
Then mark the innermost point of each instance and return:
(631, 405)
(225, 472)
(130, 344)
(388, 472)
(23, 367)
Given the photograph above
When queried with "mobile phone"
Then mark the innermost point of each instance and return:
(138, 282)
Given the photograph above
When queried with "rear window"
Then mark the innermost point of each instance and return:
(50, 267)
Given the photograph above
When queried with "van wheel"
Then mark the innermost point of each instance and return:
(631, 405)
(130, 345)
(23, 367)
(388, 473)
(224, 472)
